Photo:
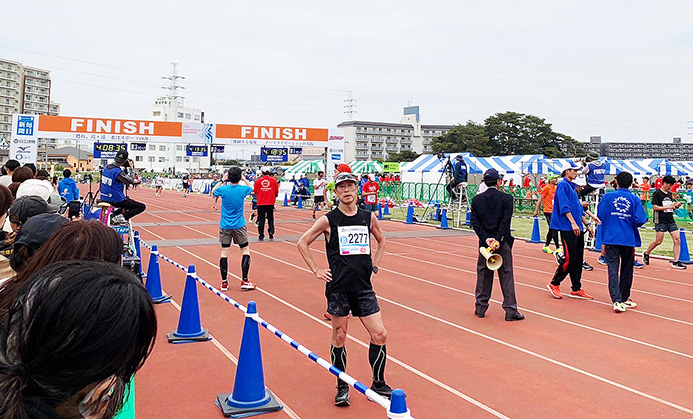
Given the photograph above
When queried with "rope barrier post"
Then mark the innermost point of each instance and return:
(189, 327)
(250, 396)
(684, 256)
(398, 406)
(154, 278)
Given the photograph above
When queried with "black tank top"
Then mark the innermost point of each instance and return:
(349, 251)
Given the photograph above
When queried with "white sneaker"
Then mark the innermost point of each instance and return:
(619, 308)
(119, 220)
(630, 303)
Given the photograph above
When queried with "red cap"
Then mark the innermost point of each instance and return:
(342, 168)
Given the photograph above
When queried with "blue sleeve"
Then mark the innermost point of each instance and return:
(561, 199)
(75, 192)
(248, 190)
(640, 215)
(603, 208)
(217, 191)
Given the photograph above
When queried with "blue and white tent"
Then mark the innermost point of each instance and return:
(666, 167)
(533, 163)
(428, 168)
(635, 167)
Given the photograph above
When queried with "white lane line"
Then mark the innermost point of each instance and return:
(361, 343)
(289, 412)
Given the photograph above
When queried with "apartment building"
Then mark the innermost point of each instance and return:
(676, 150)
(364, 140)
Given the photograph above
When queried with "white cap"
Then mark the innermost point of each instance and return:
(265, 169)
(35, 187)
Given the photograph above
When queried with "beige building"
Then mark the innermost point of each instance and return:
(71, 158)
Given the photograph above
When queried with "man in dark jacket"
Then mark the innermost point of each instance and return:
(492, 211)
(113, 180)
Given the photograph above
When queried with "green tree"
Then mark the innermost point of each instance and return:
(404, 155)
(470, 137)
(516, 133)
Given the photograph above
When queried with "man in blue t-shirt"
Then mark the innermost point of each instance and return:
(232, 224)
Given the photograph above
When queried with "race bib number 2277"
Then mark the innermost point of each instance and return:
(354, 240)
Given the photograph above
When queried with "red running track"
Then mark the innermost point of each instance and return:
(569, 358)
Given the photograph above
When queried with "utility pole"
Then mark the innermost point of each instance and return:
(173, 98)
(350, 105)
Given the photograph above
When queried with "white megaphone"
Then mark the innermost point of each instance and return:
(493, 261)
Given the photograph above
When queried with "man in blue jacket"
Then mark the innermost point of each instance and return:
(68, 190)
(621, 214)
(595, 171)
(567, 218)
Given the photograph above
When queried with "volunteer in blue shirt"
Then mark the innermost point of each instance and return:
(232, 224)
(459, 176)
(567, 218)
(621, 214)
(68, 190)
(595, 171)
(113, 180)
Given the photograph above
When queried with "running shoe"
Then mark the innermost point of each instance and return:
(247, 285)
(638, 265)
(586, 266)
(619, 307)
(601, 260)
(630, 303)
(560, 258)
(382, 389)
(555, 290)
(119, 220)
(224, 285)
(342, 397)
(581, 295)
(547, 249)
(327, 316)
(677, 265)
(313, 216)
(271, 236)
(645, 258)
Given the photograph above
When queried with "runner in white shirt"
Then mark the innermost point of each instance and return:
(319, 185)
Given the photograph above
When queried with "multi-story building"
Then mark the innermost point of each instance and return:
(365, 140)
(675, 150)
(24, 90)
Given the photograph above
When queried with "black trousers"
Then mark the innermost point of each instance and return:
(620, 283)
(573, 248)
(130, 207)
(484, 282)
(551, 234)
(265, 212)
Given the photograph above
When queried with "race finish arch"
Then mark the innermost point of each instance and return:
(27, 129)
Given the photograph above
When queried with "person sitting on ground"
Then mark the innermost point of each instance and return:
(115, 176)
(91, 240)
(69, 191)
(53, 363)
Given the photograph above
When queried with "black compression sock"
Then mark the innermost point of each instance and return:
(223, 267)
(338, 357)
(377, 355)
(245, 266)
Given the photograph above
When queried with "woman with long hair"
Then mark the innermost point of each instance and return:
(75, 333)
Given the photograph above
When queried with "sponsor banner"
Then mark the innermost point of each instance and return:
(24, 139)
(196, 150)
(335, 154)
(272, 136)
(390, 167)
(274, 154)
(107, 151)
(197, 133)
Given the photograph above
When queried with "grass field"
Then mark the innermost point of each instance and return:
(523, 228)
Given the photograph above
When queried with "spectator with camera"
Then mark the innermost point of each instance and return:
(113, 181)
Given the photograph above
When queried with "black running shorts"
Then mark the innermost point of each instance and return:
(360, 303)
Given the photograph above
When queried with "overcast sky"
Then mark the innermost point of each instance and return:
(619, 69)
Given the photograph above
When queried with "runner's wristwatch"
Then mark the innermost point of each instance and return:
(375, 269)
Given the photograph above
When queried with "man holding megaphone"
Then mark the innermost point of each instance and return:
(492, 211)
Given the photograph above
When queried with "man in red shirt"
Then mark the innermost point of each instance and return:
(266, 190)
(369, 191)
(658, 182)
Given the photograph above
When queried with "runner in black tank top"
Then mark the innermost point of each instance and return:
(348, 289)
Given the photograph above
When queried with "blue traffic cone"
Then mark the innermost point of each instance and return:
(380, 211)
(684, 256)
(154, 278)
(137, 244)
(250, 396)
(206, 189)
(444, 219)
(286, 200)
(598, 239)
(536, 234)
(300, 201)
(387, 209)
(398, 406)
(410, 214)
(189, 327)
(468, 217)
(436, 215)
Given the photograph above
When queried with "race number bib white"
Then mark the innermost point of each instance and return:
(354, 240)
(667, 202)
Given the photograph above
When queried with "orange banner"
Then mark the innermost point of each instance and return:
(254, 132)
(69, 124)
